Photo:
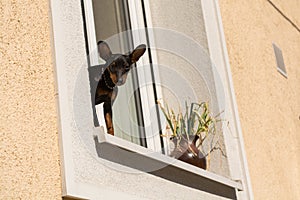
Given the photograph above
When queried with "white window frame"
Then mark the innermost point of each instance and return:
(235, 148)
(217, 48)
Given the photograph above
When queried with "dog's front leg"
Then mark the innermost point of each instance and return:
(108, 117)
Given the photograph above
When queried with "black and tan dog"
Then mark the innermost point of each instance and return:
(116, 70)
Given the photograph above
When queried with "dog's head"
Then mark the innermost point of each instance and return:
(119, 65)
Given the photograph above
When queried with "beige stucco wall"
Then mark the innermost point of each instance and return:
(268, 103)
(29, 158)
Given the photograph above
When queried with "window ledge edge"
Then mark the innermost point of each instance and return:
(142, 159)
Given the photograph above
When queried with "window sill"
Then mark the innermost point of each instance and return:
(137, 157)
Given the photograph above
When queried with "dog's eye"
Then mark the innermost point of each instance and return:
(127, 67)
(112, 67)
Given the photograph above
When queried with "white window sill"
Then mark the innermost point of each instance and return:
(134, 156)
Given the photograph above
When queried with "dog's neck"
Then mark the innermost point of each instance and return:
(107, 80)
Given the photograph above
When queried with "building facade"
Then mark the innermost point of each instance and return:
(47, 121)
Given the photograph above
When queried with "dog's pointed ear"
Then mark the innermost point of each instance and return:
(104, 50)
(137, 53)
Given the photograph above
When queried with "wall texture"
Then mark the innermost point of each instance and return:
(29, 156)
(268, 103)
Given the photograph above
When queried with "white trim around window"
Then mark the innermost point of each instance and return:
(218, 52)
(71, 146)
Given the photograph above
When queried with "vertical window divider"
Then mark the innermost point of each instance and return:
(152, 130)
(91, 34)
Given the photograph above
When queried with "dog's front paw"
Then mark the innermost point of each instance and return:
(111, 131)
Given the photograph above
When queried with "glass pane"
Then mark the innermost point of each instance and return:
(192, 95)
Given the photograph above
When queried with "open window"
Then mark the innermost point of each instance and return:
(175, 69)
(133, 119)
(184, 78)
(110, 19)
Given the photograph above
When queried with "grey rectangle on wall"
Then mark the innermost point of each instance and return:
(279, 60)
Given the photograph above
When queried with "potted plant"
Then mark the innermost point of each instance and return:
(189, 130)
